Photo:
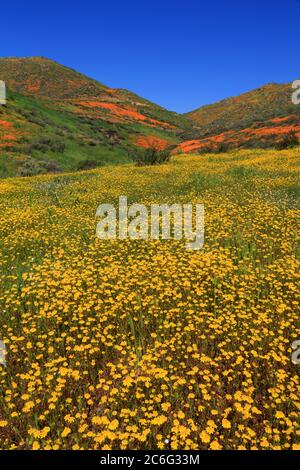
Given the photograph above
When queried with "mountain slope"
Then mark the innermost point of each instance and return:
(259, 118)
(45, 78)
(270, 101)
(62, 119)
(58, 119)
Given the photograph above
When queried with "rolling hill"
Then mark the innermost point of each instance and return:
(58, 119)
(259, 118)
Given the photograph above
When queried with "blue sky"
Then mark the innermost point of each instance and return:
(179, 54)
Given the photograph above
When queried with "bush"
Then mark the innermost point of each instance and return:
(32, 168)
(88, 165)
(58, 147)
(207, 149)
(288, 141)
(223, 147)
(45, 144)
(152, 156)
(50, 166)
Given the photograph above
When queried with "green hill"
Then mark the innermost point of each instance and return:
(58, 119)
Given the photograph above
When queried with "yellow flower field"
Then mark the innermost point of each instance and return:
(143, 344)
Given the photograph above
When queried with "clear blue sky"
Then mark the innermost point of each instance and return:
(180, 54)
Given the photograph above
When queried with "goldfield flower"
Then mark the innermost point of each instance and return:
(215, 445)
(136, 344)
(226, 424)
(205, 437)
(66, 432)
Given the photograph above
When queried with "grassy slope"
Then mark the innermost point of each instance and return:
(99, 125)
(34, 120)
(49, 101)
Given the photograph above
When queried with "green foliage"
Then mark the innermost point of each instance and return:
(46, 144)
(152, 156)
(222, 147)
(87, 165)
(290, 140)
(32, 167)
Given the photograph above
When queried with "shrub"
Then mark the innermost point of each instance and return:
(32, 167)
(223, 147)
(50, 166)
(206, 149)
(88, 165)
(153, 156)
(288, 141)
(45, 144)
(58, 147)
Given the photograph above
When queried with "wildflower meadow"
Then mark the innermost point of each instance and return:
(143, 344)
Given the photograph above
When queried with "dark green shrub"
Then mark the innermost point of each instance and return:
(32, 167)
(45, 144)
(50, 166)
(288, 141)
(152, 156)
(222, 147)
(206, 149)
(87, 165)
(58, 147)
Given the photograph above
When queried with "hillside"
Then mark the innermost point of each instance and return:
(64, 120)
(242, 111)
(258, 118)
(57, 119)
